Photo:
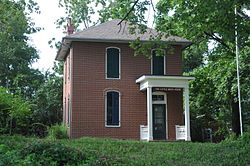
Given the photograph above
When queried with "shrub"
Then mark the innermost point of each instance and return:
(57, 132)
(15, 114)
(39, 130)
(245, 138)
(230, 138)
(45, 153)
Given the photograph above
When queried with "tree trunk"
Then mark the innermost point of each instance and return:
(235, 118)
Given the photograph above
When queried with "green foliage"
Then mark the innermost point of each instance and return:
(230, 138)
(48, 103)
(96, 151)
(79, 10)
(43, 91)
(214, 93)
(15, 53)
(245, 138)
(15, 113)
(57, 132)
(120, 8)
(43, 153)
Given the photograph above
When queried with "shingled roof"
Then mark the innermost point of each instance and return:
(111, 32)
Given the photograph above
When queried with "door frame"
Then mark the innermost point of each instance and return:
(166, 106)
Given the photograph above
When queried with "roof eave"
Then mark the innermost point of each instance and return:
(66, 42)
(63, 50)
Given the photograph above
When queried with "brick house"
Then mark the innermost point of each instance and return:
(108, 92)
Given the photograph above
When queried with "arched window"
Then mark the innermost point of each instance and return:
(158, 62)
(112, 99)
(112, 63)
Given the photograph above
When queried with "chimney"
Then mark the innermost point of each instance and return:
(70, 28)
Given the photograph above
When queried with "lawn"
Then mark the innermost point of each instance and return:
(19, 150)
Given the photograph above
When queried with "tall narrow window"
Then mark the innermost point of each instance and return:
(69, 66)
(68, 111)
(112, 108)
(158, 62)
(113, 63)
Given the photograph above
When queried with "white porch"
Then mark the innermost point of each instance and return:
(147, 82)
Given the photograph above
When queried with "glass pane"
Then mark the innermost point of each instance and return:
(158, 97)
(112, 108)
(109, 116)
(109, 99)
(158, 64)
(113, 63)
(115, 108)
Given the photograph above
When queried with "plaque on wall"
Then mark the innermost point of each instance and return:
(167, 89)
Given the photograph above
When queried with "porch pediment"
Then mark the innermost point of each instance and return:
(163, 81)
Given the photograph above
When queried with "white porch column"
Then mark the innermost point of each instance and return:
(149, 113)
(187, 116)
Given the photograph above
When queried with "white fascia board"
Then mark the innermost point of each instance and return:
(152, 77)
(168, 83)
(163, 81)
(144, 85)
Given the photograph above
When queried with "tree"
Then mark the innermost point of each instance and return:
(82, 11)
(15, 53)
(23, 83)
(205, 21)
(15, 113)
(48, 102)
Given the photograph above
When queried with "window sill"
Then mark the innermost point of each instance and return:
(113, 126)
(112, 78)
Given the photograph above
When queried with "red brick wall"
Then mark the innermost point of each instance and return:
(174, 112)
(89, 86)
(174, 62)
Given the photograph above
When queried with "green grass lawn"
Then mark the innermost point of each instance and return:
(18, 150)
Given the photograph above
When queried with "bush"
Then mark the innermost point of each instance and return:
(245, 138)
(57, 132)
(39, 130)
(15, 114)
(44, 153)
(230, 138)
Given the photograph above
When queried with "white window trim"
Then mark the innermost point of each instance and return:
(106, 109)
(160, 93)
(162, 102)
(163, 60)
(106, 70)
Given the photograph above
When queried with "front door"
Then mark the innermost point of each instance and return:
(159, 121)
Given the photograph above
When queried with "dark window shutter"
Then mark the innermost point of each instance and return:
(112, 63)
(158, 64)
(112, 108)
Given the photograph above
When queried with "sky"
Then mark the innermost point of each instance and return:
(50, 12)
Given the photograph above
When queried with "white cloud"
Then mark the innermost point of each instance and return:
(50, 12)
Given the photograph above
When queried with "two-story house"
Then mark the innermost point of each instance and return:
(108, 92)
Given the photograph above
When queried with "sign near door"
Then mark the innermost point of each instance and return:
(180, 132)
(167, 89)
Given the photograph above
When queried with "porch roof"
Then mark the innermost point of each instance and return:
(163, 81)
